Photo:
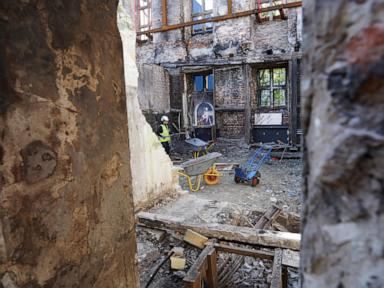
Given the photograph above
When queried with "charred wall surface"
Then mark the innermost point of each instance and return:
(343, 90)
(225, 50)
(66, 204)
(241, 39)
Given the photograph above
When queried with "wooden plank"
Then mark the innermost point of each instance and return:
(277, 269)
(226, 275)
(291, 258)
(290, 221)
(293, 66)
(285, 276)
(223, 232)
(199, 266)
(267, 217)
(277, 226)
(229, 5)
(184, 102)
(195, 239)
(247, 98)
(196, 284)
(164, 13)
(212, 270)
(178, 263)
(245, 252)
(222, 18)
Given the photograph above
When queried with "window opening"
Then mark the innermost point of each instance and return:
(203, 83)
(202, 9)
(272, 87)
(143, 17)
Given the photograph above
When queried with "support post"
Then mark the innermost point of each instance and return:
(277, 269)
(229, 4)
(247, 108)
(198, 269)
(212, 270)
(184, 103)
(293, 101)
(165, 13)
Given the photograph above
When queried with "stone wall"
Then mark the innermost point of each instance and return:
(154, 177)
(66, 207)
(343, 92)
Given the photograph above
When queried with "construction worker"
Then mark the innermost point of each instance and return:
(164, 134)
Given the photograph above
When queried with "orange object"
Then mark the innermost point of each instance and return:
(211, 177)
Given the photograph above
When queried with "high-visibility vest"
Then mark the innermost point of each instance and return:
(165, 134)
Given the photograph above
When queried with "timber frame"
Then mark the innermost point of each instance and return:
(230, 15)
(205, 269)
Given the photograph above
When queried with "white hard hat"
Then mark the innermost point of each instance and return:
(164, 118)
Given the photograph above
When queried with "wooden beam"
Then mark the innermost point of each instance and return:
(244, 251)
(229, 5)
(293, 101)
(164, 13)
(267, 217)
(277, 269)
(229, 109)
(291, 258)
(223, 232)
(196, 284)
(222, 18)
(226, 275)
(212, 279)
(198, 268)
(247, 98)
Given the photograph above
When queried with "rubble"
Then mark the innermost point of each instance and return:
(240, 205)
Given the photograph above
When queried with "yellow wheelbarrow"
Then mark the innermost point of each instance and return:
(199, 146)
(198, 168)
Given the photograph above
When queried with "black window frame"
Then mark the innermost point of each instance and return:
(272, 87)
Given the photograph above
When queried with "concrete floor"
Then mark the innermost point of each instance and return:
(280, 184)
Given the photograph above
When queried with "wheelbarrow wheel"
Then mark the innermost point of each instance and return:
(237, 179)
(212, 176)
(254, 181)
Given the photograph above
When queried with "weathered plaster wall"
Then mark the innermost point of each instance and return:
(343, 86)
(153, 89)
(66, 208)
(152, 170)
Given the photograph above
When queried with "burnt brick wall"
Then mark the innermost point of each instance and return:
(230, 124)
(229, 87)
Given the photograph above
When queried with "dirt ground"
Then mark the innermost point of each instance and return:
(280, 184)
(225, 203)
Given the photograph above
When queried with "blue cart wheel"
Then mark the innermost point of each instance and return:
(237, 179)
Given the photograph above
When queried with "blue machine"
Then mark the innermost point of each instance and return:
(249, 171)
